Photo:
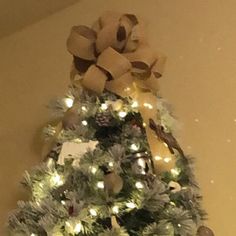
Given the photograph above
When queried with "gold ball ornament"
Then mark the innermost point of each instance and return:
(70, 119)
(204, 231)
(113, 183)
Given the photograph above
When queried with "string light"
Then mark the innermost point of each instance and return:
(165, 144)
(93, 169)
(78, 228)
(122, 114)
(134, 104)
(111, 164)
(139, 185)
(93, 212)
(131, 205)
(104, 106)
(141, 162)
(33, 235)
(134, 147)
(63, 202)
(158, 158)
(115, 209)
(100, 184)
(57, 179)
(167, 159)
(84, 108)
(84, 122)
(148, 105)
(69, 102)
(175, 172)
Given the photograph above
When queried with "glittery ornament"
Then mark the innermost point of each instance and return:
(204, 231)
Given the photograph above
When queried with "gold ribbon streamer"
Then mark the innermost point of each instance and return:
(115, 56)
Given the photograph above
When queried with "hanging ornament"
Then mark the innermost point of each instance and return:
(113, 183)
(70, 119)
(75, 150)
(204, 231)
(141, 163)
(174, 187)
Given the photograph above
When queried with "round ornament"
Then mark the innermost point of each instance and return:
(113, 183)
(70, 119)
(204, 231)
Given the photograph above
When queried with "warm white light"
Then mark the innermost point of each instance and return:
(167, 159)
(100, 184)
(127, 89)
(122, 114)
(144, 124)
(57, 180)
(115, 209)
(93, 212)
(179, 225)
(93, 169)
(139, 185)
(111, 164)
(134, 104)
(84, 122)
(84, 108)
(69, 102)
(158, 158)
(63, 202)
(175, 172)
(165, 144)
(104, 106)
(78, 228)
(33, 235)
(68, 224)
(131, 205)
(148, 105)
(134, 147)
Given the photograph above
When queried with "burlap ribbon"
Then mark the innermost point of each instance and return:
(113, 55)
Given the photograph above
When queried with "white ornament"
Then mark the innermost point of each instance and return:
(75, 150)
(174, 186)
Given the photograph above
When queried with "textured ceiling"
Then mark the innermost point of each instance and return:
(16, 14)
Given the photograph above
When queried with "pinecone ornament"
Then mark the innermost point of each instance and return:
(103, 119)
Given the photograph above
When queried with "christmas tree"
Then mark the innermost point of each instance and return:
(112, 165)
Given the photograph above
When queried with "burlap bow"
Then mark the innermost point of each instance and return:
(115, 56)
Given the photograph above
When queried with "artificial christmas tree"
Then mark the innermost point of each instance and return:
(112, 165)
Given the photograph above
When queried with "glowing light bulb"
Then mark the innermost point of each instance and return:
(84, 108)
(134, 104)
(122, 114)
(104, 106)
(148, 105)
(93, 212)
(167, 159)
(144, 124)
(134, 147)
(100, 184)
(158, 158)
(78, 228)
(69, 102)
(63, 202)
(139, 185)
(165, 144)
(33, 235)
(131, 205)
(57, 180)
(175, 172)
(115, 209)
(84, 122)
(127, 89)
(111, 164)
(93, 169)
